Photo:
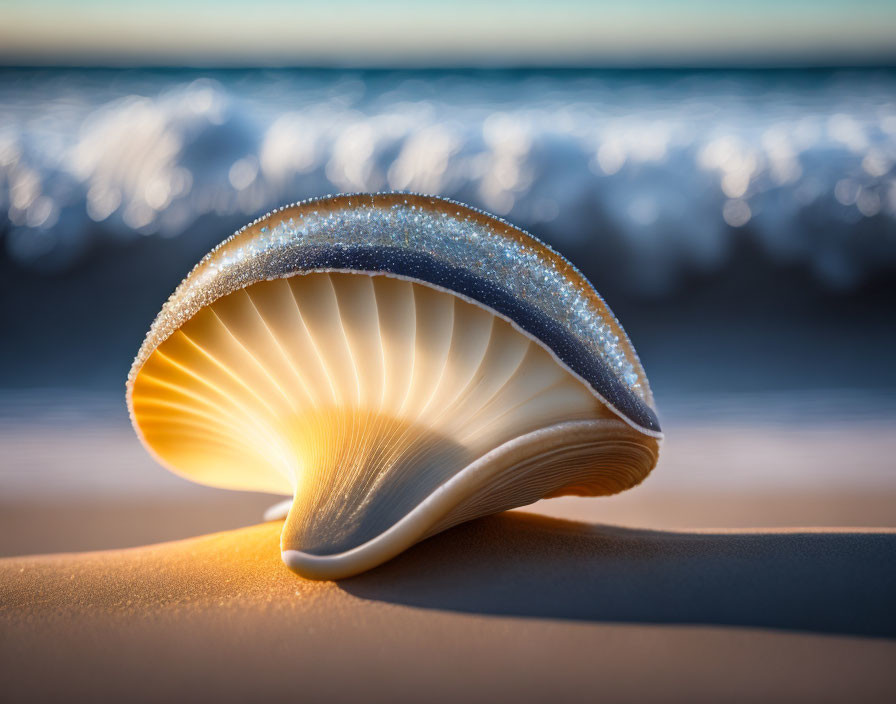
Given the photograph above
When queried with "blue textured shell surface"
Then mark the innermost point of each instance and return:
(397, 364)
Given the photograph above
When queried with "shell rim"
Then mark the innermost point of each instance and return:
(412, 527)
(146, 349)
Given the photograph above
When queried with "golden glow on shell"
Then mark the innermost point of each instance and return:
(390, 409)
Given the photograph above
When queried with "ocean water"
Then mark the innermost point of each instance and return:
(661, 171)
(742, 224)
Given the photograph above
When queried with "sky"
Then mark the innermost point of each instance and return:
(436, 32)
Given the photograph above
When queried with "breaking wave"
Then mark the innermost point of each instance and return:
(662, 171)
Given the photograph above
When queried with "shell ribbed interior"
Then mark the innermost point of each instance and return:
(358, 394)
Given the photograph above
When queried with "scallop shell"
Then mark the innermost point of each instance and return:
(398, 364)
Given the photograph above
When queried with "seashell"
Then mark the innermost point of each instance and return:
(397, 364)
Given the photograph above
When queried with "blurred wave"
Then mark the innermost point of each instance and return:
(661, 171)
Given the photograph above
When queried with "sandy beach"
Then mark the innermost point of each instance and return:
(515, 606)
(751, 566)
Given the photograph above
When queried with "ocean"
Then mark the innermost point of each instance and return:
(742, 224)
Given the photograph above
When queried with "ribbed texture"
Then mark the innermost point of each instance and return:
(613, 460)
(361, 395)
(438, 243)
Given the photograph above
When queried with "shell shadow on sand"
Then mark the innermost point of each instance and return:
(530, 566)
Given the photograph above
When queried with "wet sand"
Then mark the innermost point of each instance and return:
(509, 607)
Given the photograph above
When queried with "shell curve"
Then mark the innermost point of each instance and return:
(543, 440)
(309, 243)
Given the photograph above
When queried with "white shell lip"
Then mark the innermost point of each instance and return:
(278, 511)
(417, 524)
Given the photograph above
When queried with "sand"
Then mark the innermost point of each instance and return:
(510, 608)
(513, 607)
